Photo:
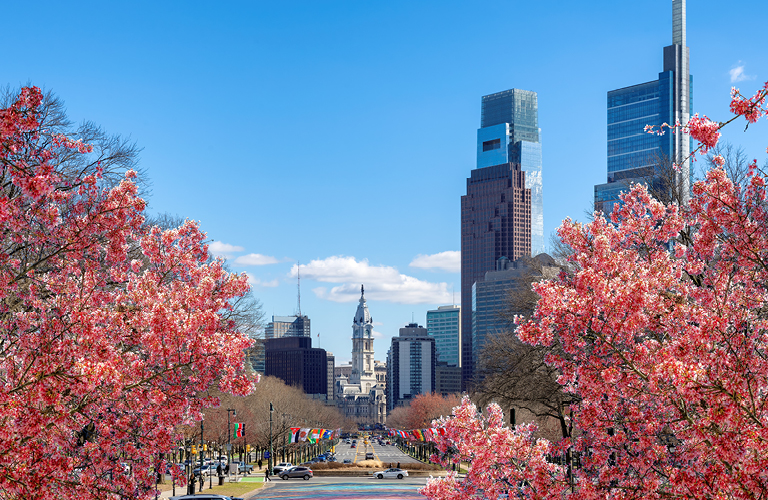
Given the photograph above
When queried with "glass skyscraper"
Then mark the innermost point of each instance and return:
(444, 324)
(509, 133)
(635, 155)
(502, 212)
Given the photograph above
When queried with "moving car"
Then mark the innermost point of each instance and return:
(347, 461)
(302, 472)
(370, 456)
(281, 467)
(394, 472)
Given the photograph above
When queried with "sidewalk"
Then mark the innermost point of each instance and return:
(182, 490)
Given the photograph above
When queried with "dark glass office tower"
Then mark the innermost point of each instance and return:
(495, 223)
(633, 154)
(509, 133)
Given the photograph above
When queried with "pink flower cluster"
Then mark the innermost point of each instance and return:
(750, 108)
(703, 130)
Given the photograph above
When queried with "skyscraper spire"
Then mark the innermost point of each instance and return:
(676, 58)
(678, 22)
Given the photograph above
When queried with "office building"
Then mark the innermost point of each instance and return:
(255, 355)
(447, 379)
(509, 133)
(331, 360)
(411, 364)
(444, 324)
(635, 156)
(297, 363)
(495, 223)
(491, 310)
(288, 326)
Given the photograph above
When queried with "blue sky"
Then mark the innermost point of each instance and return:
(340, 134)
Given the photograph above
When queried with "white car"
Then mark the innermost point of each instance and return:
(277, 469)
(394, 472)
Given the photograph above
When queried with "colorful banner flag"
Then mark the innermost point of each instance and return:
(313, 435)
(303, 434)
(238, 430)
(295, 431)
(327, 433)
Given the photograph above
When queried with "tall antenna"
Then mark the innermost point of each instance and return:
(298, 286)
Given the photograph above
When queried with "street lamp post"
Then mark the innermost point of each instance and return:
(202, 481)
(269, 460)
(229, 438)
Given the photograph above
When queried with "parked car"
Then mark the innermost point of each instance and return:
(242, 467)
(206, 470)
(281, 467)
(370, 456)
(302, 472)
(394, 472)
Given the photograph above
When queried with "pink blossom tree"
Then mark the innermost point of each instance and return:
(503, 460)
(664, 320)
(108, 329)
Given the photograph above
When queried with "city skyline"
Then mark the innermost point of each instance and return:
(340, 137)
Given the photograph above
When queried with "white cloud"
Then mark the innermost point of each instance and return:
(738, 75)
(381, 282)
(220, 249)
(449, 261)
(254, 281)
(255, 259)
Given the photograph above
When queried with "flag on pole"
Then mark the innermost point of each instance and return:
(327, 433)
(303, 434)
(295, 431)
(238, 431)
(313, 435)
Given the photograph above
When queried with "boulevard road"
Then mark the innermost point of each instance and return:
(387, 454)
(343, 488)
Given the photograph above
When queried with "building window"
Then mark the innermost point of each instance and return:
(491, 145)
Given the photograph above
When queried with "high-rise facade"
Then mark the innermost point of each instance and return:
(509, 133)
(288, 326)
(444, 324)
(492, 312)
(411, 362)
(296, 362)
(495, 222)
(502, 213)
(635, 156)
